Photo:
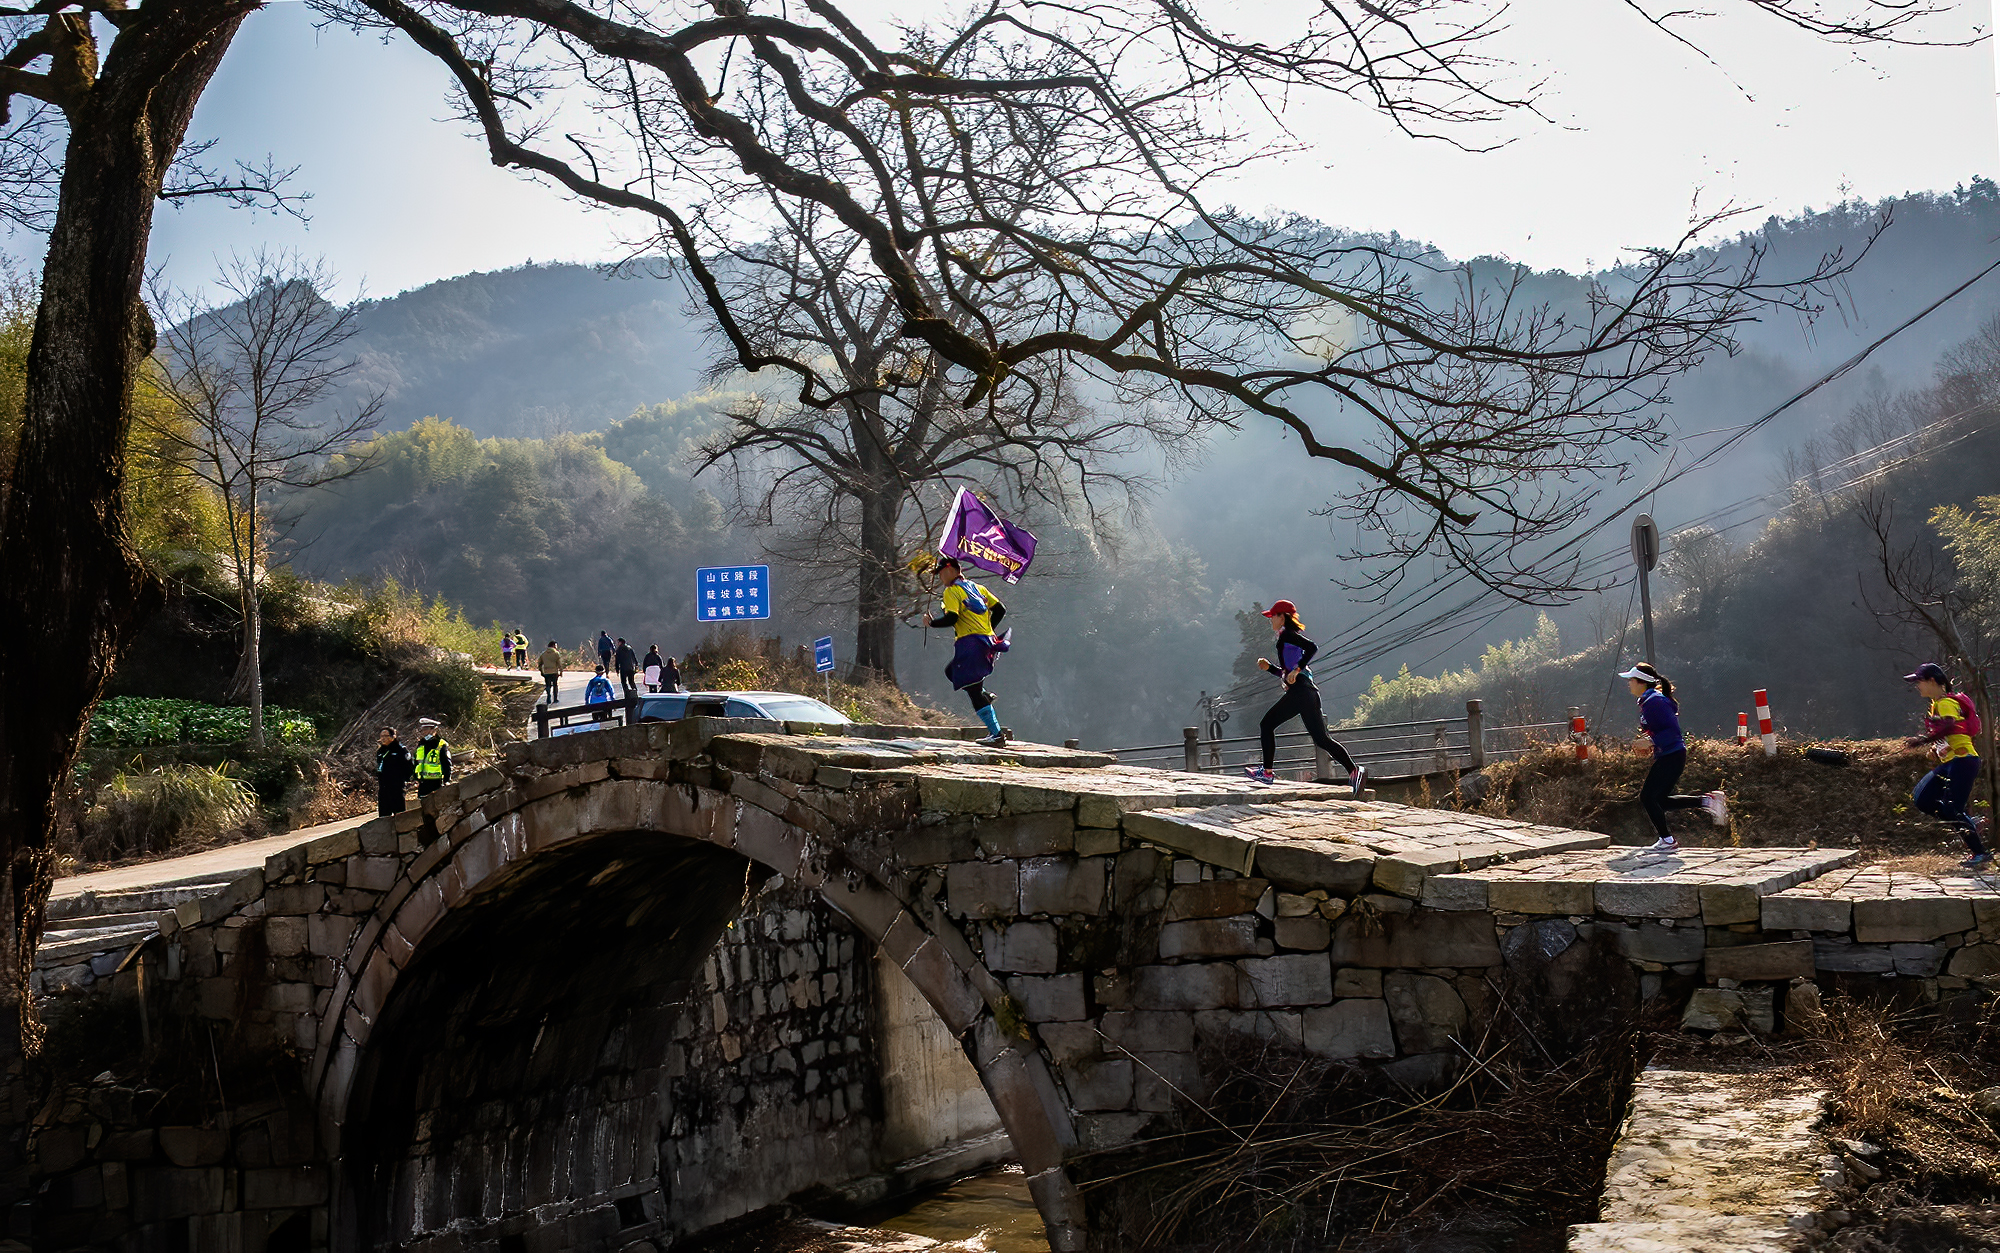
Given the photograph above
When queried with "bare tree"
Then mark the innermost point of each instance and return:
(843, 485)
(1930, 590)
(1457, 400)
(247, 377)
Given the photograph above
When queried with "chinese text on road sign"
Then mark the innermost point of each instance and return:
(732, 592)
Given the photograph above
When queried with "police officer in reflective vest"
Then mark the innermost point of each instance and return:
(433, 758)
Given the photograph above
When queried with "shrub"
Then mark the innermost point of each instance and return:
(154, 810)
(142, 721)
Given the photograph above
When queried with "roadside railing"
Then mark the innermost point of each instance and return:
(1387, 750)
(572, 719)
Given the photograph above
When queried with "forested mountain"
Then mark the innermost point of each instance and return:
(557, 492)
(531, 351)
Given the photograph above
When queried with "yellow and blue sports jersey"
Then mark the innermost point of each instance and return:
(1945, 710)
(974, 606)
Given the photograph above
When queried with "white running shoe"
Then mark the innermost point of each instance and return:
(1716, 806)
(1665, 844)
(1360, 781)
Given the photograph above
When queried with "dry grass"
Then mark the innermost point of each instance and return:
(1308, 1154)
(1782, 801)
(1905, 1080)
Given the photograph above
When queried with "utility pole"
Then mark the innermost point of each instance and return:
(1646, 555)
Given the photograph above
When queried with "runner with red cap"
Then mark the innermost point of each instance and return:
(1301, 698)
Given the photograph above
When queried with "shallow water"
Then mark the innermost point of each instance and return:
(989, 1213)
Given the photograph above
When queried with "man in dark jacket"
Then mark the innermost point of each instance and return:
(628, 666)
(393, 768)
(604, 649)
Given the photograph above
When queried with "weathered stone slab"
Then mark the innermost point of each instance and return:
(1420, 938)
(1351, 1028)
(1300, 979)
(1791, 959)
(1210, 937)
(1633, 883)
(1650, 941)
(1890, 919)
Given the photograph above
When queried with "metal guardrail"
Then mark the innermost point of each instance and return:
(572, 719)
(1389, 750)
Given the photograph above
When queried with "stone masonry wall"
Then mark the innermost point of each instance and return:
(1082, 931)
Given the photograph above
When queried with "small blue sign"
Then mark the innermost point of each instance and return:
(823, 654)
(732, 592)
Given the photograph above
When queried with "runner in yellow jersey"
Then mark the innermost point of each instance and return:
(973, 612)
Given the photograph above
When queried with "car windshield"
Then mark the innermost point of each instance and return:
(663, 706)
(799, 709)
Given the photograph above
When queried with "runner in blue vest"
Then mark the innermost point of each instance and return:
(1301, 699)
(1660, 727)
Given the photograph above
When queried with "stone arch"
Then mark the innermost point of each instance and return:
(539, 821)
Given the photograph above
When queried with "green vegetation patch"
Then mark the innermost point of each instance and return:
(143, 721)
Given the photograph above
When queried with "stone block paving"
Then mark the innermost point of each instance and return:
(1719, 885)
(1888, 906)
(1718, 1163)
(1394, 847)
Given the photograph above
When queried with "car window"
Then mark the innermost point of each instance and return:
(734, 708)
(666, 708)
(801, 709)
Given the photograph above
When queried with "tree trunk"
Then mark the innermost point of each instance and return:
(875, 601)
(72, 591)
(253, 661)
(253, 630)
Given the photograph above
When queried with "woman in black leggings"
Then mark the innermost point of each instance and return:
(1301, 698)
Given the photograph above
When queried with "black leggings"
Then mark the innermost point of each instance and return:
(1301, 701)
(1657, 792)
(981, 698)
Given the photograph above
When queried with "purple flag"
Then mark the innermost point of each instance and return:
(976, 535)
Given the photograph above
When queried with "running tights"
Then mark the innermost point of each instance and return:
(1657, 793)
(981, 698)
(1944, 792)
(1301, 701)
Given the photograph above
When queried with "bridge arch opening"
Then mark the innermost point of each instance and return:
(536, 1070)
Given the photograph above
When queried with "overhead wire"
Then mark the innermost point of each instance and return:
(1363, 644)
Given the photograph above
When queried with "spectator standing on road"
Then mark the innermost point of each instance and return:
(433, 758)
(1300, 699)
(653, 664)
(1949, 724)
(604, 649)
(670, 676)
(1660, 734)
(551, 663)
(393, 768)
(520, 648)
(628, 666)
(506, 651)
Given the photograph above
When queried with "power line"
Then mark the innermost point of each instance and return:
(1374, 646)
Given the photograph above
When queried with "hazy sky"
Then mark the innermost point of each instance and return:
(1641, 126)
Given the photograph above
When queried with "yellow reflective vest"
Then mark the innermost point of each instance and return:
(432, 756)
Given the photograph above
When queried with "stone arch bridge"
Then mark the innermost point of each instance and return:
(482, 1007)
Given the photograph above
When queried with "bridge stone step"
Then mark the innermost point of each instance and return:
(1719, 885)
(1715, 1163)
(150, 902)
(1345, 846)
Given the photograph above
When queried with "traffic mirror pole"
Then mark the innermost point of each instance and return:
(1646, 555)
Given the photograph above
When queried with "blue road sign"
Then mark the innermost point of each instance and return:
(732, 592)
(823, 654)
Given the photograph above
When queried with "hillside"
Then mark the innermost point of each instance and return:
(534, 350)
(1119, 633)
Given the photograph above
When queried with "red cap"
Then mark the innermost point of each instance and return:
(1280, 607)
